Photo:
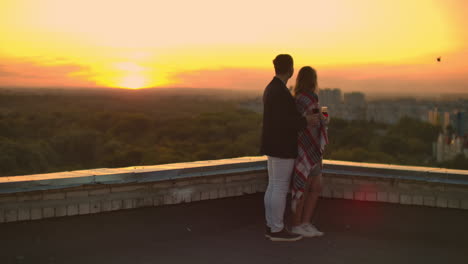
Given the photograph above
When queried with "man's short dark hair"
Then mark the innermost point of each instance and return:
(283, 63)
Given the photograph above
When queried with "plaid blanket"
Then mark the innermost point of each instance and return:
(311, 144)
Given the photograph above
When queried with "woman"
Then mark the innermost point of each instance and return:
(307, 175)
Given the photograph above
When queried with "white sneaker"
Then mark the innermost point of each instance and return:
(299, 231)
(312, 229)
(306, 230)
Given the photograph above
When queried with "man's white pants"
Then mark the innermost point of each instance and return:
(279, 178)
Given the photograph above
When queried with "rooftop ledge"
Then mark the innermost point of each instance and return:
(174, 171)
(31, 197)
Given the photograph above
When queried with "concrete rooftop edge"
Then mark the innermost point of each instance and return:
(35, 197)
(156, 173)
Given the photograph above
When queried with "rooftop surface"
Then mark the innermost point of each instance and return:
(230, 230)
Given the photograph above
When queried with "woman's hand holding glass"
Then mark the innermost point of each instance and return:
(324, 115)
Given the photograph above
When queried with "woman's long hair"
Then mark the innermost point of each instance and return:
(306, 81)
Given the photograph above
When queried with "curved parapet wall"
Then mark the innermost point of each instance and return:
(32, 197)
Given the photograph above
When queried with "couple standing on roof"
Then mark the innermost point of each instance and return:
(294, 135)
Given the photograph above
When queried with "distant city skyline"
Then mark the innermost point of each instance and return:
(376, 47)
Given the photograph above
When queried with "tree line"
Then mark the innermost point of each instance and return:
(61, 132)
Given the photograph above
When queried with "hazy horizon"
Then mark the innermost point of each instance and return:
(241, 92)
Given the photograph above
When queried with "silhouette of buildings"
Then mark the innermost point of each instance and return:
(454, 138)
(332, 98)
(448, 147)
(453, 122)
(391, 111)
(355, 106)
(459, 123)
(439, 118)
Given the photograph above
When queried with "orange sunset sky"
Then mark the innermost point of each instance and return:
(379, 46)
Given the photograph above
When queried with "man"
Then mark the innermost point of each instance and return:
(281, 124)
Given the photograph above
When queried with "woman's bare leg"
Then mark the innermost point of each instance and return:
(297, 215)
(299, 212)
(311, 196)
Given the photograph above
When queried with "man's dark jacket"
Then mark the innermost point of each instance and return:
(281, 121)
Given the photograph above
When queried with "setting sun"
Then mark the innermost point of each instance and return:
(133, 81)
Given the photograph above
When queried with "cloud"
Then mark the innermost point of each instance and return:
(445, 77)
(228, 78)
(39, 72)
(372, 79)
(449, 76)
